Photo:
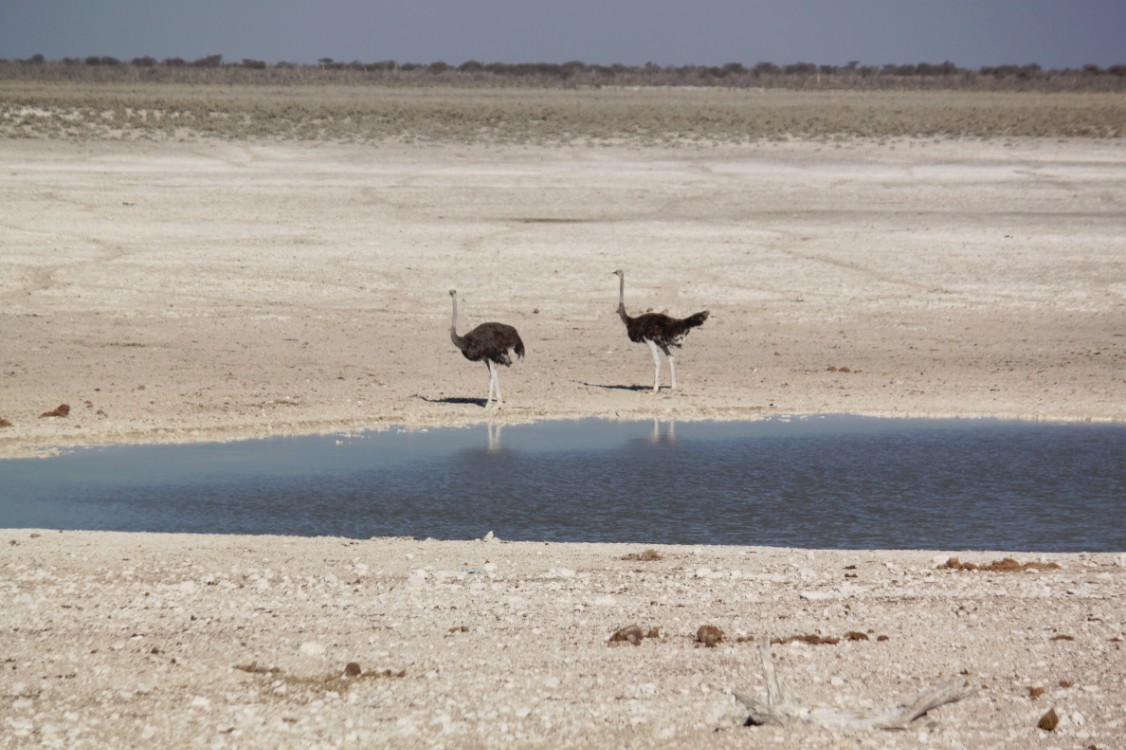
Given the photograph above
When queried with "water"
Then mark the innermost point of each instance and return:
(826, 482)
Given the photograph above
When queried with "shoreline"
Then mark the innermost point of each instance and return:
(236, 435)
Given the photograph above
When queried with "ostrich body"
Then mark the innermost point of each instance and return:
(658, 330)
(491, 342)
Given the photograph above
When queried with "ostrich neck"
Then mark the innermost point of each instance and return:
(622, 298)
(453, 325)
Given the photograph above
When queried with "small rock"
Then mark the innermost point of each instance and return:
(629, 634)
(709, 635)
(815, 596)
(352, 669)
(1049, 721)
(59, 411)
(312, 648)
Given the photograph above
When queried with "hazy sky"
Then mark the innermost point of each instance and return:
(970, 33)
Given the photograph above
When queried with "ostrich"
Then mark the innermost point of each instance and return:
(657, 330)
(490, 342)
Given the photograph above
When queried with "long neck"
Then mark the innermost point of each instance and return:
(622, 298)
(453, 323)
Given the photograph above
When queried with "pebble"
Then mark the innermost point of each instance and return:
(816, 596)
(311, 648)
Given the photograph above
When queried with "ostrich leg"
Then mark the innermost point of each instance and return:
(496, 382)
(672, 370)
(656, 365)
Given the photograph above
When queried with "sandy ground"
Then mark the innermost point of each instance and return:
(143, 640)
(184, 292)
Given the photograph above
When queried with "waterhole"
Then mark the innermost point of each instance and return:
(834, 482)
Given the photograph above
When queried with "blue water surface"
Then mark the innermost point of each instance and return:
(836, 482)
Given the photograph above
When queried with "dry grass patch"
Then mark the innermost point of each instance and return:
(1004, 565)
(281, 683)
(529, 116)
(649, 555)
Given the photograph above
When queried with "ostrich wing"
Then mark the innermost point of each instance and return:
(492, 341)
(662, 329)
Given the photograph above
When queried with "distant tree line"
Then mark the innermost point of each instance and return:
(923, 75)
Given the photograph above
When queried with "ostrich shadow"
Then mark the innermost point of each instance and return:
(453, 400)
(613, 387)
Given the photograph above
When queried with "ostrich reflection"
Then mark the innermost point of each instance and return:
(669, 435)
(494, 436)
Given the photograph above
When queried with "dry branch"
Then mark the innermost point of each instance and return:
(777, 711)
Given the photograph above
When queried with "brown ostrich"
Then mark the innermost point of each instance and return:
(492, 342)
(658, 330)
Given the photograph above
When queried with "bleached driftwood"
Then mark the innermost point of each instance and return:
(778, 711)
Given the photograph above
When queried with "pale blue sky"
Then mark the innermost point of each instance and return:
(970, 33)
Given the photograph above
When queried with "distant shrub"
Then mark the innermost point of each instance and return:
(921, 76)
